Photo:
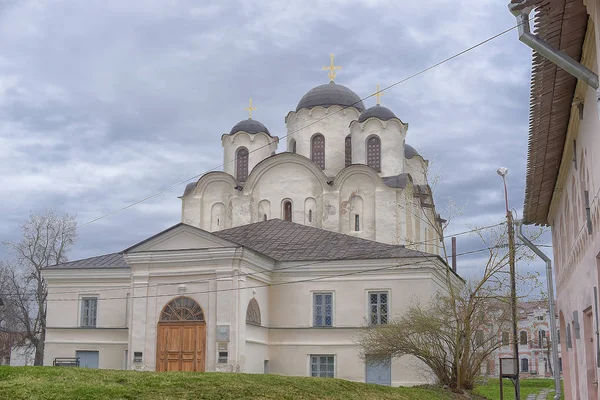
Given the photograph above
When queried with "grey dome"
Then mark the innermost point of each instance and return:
(250, 126)
(330, 94)
(409, 151)
(383, 113)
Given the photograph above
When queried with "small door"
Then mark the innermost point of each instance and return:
(88, 359)
(379, 371)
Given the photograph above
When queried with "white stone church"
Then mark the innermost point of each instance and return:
(278, 260)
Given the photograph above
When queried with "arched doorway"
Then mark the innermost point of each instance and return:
(181, 336)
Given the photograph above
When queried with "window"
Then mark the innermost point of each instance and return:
(378, 308)
(540, 317)
(541, 337)
(569, 339)
(505, 339)
(287, 210)
(374, 153)
(558, 336)
(524, 365)
(575, 154)
(357, 222)
(523, 337)
(309, 215)
(264, 217)
(182, 309)
(89, 311)
(317, 150)
(322, 309)
(348, 150)
(322, 366)
(293, 146)
(241, 162)
(222, 357)
(479, 338)
(253, 313)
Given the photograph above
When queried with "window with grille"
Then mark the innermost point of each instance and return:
(348, 152)
(378, 308)
(523, 337)
(287, 210)
(241, 162)
(317, 152)
(89, 311)
(374, 153)
(322, 309)
(253, 313)
(322, 366)
(505, 339)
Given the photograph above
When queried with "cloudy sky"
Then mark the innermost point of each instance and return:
(103, 103)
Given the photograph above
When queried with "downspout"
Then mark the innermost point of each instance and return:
(558, 57)
(553, 331)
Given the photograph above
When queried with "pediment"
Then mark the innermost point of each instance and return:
(180, 237)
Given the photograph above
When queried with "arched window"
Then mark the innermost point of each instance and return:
(253, 313)
(523, 337)
(317, 150)
(348, 151)
(241, 163)
(524, 365)
(182, 309)
(287, 210)
(309, 215)
(264, 217)
(374, 153)
(293, 146)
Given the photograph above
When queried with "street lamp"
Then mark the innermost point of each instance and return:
(502, 171)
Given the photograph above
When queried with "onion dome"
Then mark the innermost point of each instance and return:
(378, 111)
(409, 151)
(249, 125)
(330, 94)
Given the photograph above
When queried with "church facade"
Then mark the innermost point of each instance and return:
(279, 260)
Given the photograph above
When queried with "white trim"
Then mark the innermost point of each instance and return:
(257, 342)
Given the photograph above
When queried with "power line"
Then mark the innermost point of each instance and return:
(306, 126)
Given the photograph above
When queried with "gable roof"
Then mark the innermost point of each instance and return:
(106, 261)
(563, 24)
(289, 241)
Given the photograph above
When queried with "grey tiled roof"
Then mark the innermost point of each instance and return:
(330, 94)
(288, 241)
(409, 151)
(250, 126)
(378, 111)
(113, 260)
(396, 181)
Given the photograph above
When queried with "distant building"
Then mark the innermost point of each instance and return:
(563, 177)
(22, 356)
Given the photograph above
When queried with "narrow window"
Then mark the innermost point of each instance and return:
(357, 222)
(479, 338)
(523, 337)
(309, 215)
(293, 146)
(524, 365)
(505, 339)
(317, 152)
(89, 310)
(541, 337)
(374, 153)
(569, 338)
(575, 154)
(348, 145)
(241, 162)
(378, 308)
(287, 210)
(265, 217)
(558, 335)
(322, 309)
(322, 366)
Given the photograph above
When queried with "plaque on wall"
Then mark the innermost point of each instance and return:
(222, 333)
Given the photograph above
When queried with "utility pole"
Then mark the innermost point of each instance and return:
(513, 285)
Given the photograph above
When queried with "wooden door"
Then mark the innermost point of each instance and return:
(180, 347)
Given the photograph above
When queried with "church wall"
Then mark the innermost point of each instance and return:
(362, 186)
(417, 168)
(385, 204)
(216, 192)
(391, 135)
(259, 145)
(301, 127)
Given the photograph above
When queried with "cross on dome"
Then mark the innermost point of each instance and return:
(250, 108)
(378, 95)
(331, 68)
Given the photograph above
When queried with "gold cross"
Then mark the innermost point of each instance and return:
(332, 67)
(378, 95)
(250, 109)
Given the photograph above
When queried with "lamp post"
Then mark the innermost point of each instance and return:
(513, 287)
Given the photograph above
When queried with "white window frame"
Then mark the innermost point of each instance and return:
(82, 298)
(312, 308)
(368, 303)
(309, 362)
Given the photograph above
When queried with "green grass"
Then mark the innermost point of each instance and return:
(528, 386)
(33, 383)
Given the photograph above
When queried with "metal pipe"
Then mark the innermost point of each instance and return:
(556, 56)
(553, 331)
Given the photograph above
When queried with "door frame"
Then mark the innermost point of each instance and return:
(389, 362)
(180, 324)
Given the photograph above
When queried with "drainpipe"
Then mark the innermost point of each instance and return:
(558, 57)
(550, 284)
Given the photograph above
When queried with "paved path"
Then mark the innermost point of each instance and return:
(540, 396)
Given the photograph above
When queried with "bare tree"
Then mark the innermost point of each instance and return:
(458, 330)
(45, 240)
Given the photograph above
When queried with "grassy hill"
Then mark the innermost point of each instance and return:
(78, 383)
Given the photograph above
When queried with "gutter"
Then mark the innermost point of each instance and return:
(558, 57)
(553, 331)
